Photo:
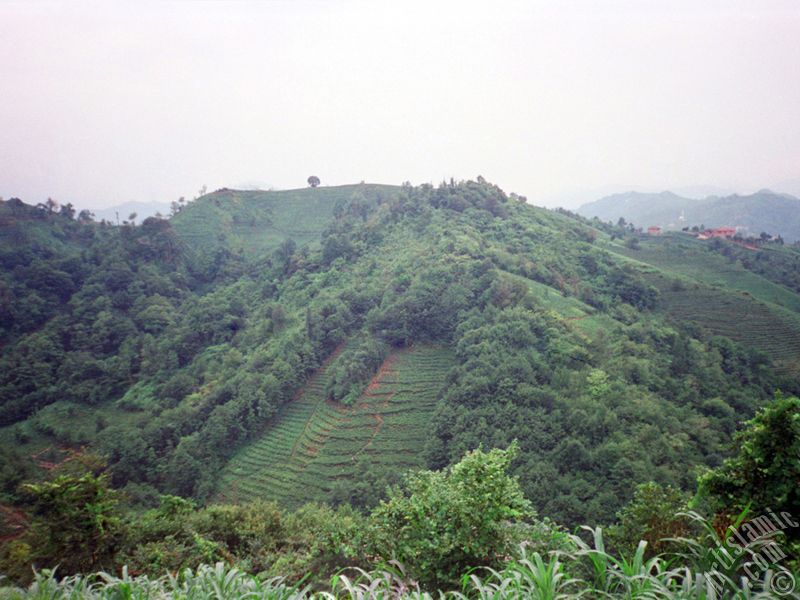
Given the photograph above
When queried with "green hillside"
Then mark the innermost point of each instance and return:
(313, 443)
(316, 343)
(705, 288)
(696, 259)
(767, 328)
(255, 222)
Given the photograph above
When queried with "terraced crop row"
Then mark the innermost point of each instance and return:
(687, 257)
(723, 298)
(314, 442)
(768, 328)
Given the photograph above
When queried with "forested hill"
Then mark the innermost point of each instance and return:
(763, 211)
(310, 344)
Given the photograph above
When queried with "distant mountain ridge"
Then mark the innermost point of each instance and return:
(142, 210)
(764, 210)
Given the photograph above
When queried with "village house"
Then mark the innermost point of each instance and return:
(719, 232)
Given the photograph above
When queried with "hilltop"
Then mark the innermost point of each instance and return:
(255, 222)
(312, 344)
(777, 214)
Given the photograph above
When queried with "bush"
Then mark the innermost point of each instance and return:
(353, 368)
(439, 523)
(653, 516)
(764, 474)
(75, 524)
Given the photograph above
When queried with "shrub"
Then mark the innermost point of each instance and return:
(439, 523)
(75, 523)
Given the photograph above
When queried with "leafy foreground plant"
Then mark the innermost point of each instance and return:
(219, 582)
(526, 578)
(534, 577)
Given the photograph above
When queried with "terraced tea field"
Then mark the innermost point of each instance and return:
(691, 258)
(314, 442)
(722, 297)
(768, 328)
(256, 222)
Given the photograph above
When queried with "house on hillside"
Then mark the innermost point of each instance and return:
(654, 230)
(721, 232)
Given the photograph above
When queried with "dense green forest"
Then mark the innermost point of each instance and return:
(216, 371)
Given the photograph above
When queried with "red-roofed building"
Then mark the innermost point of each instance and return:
(654, 230)
(721, 232)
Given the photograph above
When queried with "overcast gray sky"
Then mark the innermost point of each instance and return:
(107, 102)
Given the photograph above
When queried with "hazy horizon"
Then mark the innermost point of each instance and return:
(110, 103)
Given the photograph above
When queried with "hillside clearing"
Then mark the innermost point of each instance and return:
(314, 442)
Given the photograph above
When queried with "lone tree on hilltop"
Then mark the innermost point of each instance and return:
(313, 181)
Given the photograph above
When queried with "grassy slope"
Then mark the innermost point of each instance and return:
(689, 257)
(257, 221)
(578, 315)
(314, 442)
(722, 296)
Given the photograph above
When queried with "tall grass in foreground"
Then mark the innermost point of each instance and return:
(220, 582)
(588, 571)
(532, 577)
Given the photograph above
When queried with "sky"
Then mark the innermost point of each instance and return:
(109, 102)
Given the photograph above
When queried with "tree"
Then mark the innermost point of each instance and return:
(766, 469)
(633, 243)
(86, 216)
(284, 253)
(67, 210)
(75, 522)
(313, 181)
(440, 523)
(654, 516)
